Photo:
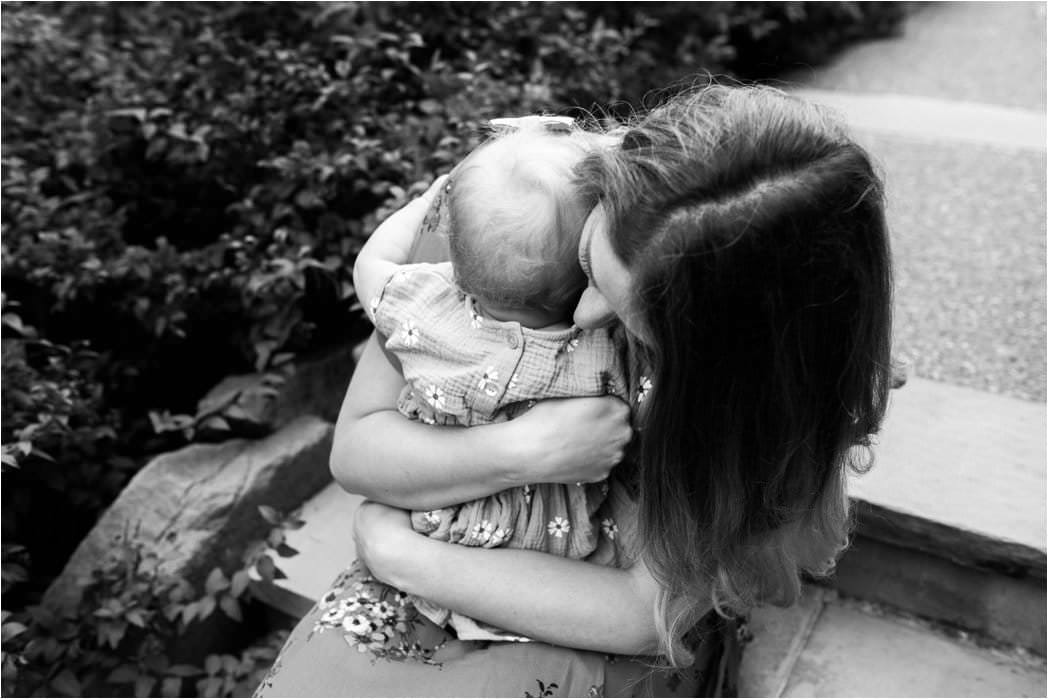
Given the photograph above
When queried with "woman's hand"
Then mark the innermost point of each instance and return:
(384, 538)
(572, 440)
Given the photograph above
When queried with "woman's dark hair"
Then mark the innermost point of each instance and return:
(753, 229)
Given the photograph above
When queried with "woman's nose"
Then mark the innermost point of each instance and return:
(593, 310)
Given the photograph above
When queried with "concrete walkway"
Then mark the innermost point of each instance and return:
(827, 646)
(954, 112)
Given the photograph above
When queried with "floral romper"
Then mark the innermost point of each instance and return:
(464, 369)
(366, 639)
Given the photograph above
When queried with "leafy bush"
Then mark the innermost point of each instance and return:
(132, 613)
(185, 187)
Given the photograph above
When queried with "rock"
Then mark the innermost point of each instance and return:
(197, 507)
(255, 404)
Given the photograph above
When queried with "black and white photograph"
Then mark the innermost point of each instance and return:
(524, 349)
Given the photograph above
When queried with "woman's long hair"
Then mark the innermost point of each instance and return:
(753, 230)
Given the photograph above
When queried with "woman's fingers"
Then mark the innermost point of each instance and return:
(578, 439)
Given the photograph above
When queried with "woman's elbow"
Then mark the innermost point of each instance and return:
(341, 462)
(640, 639)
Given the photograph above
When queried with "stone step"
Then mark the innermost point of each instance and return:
(827, 646)
(951, 519)
(971, 464)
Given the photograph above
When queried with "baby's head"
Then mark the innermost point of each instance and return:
(516, 215)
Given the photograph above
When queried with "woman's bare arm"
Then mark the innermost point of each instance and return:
(382, 455)
(549, 598)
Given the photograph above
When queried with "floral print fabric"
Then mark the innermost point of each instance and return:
(464, 369)
(366, 639)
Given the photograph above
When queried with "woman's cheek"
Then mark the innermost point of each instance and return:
(593, 310)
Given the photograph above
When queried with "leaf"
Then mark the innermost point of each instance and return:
(293, 523)
(144, 685)
(285, 551)
(123, 674)
(189, 612)
(171, 687)
(266, 568)
(111, 633)
(231, 607)
(10, 630)
(207, 606)
(183, 671)
(66, 684)
(216, 581)
(269, 514)
(157, 663)
(209, 687)
(241, 579)
(136, 617)
(12, 573)
(216, 423)
(275, 537)
(212, 664)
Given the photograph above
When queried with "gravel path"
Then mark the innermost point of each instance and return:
(968, 230)
(967, 219)
(991, 52)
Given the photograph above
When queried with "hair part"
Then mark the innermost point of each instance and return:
(754, 231)
(516, 218)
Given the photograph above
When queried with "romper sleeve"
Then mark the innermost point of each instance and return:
(413, 291)
(617, 545)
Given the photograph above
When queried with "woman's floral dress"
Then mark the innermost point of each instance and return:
(366, 639)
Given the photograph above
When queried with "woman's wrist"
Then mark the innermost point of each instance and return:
(516, 456)
(406, 563)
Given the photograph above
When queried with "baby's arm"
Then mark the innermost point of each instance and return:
(390, 245)
(382, 455)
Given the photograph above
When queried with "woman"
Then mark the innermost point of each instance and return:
(740, 240)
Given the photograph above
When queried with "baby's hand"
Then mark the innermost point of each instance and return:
(390, 245)
(573, 440)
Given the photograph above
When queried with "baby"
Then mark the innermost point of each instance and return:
(481, 338)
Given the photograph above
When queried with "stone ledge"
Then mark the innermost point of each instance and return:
(197, 507)
(964, 547)
(779, 637)
(1006, 609)
(856, 651)
(960, 474)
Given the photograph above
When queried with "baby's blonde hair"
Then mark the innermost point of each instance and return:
(516, 216)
